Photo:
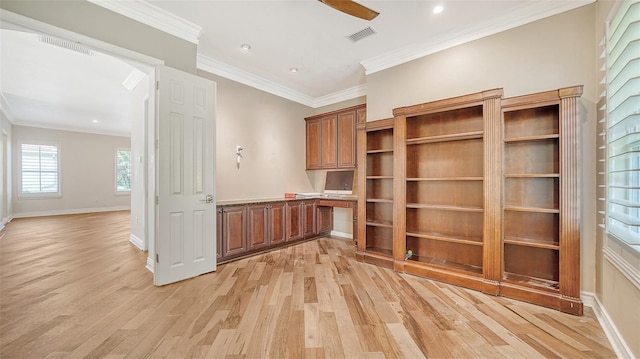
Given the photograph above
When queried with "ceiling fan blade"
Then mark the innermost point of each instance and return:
(352, 8)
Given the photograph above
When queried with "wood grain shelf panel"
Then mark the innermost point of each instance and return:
(388, 224)
(532, 138)
(532, 209)
(532, 175)
(379, 200)
(531, 242)
(445, 138)
(390, 150)
(416, 179)
(445, 237)
(384, 251)
(444, 208)
(449, 265)
(379, 177)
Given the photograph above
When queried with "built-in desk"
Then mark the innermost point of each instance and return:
(247, 227)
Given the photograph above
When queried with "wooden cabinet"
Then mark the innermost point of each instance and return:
(258, 234)
(328, 136)
(309, 218)
(346, 139)
(219, 234)
(478, 191)
(331, 138)
(375, 174)
(314, 143)
(234, 230)
(277, 222)
(294, 221)
(325, 220)
(243, 229)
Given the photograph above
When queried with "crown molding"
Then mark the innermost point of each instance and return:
(219, 68)
(524, 15)
(339, 96)
(153, 16)
(104, 132)
(216, 67)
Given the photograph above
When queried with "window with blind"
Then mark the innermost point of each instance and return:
(623, 125)
(39, 169)
(123, 171)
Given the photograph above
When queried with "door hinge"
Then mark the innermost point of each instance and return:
(157, 258)
(157, 85)
(157, 144)
(157, 200)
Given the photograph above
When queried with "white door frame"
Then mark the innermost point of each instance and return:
(13, 21)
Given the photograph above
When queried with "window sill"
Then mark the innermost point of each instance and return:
(39, 195)
(624, 257)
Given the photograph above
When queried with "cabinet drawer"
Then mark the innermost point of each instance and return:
(334, 203)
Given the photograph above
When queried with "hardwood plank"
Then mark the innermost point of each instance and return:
(87, 294)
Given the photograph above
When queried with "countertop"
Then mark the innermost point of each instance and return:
(334, 197)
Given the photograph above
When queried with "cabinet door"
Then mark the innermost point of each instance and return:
(234, 230)
(329, 146)
(314, 144)
(219, 233)
(258, 233)
(309, 219)
(347, 139)
(294, 221)
(277, 222)
(325, 219)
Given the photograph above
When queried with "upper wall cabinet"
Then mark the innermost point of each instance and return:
(331, 138)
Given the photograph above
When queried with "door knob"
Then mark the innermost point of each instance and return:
(207, 199)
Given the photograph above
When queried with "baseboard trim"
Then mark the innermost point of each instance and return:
(342, 234)
(615, 339)
(137, 242)
(149, 265)
(71, 211)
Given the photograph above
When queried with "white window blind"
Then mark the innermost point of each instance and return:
(123, 171)
(623, 125)
(39, 168)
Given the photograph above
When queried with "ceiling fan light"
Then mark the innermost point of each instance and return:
(245, 47)
(293, 69)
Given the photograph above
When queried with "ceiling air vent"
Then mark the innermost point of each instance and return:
(361, 34)
(73, 46)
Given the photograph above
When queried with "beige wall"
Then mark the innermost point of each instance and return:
(91, 20)
(271, 131)
(87, 181)
(340, 105)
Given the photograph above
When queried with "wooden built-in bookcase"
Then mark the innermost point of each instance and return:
(377, 183)
(477, 191)
(541, 225)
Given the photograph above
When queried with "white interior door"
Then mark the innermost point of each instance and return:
(185, 164)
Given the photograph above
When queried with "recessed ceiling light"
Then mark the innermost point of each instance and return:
(245, 47)
(438, 9)
(293, 69)
(95, 121)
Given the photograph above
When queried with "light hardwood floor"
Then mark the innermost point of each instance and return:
(73, 286)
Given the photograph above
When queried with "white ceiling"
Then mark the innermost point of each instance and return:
(305, 34)
(44, 85)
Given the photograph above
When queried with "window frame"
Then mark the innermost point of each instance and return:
(39, 195)
(619, 252)
(115, 171)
